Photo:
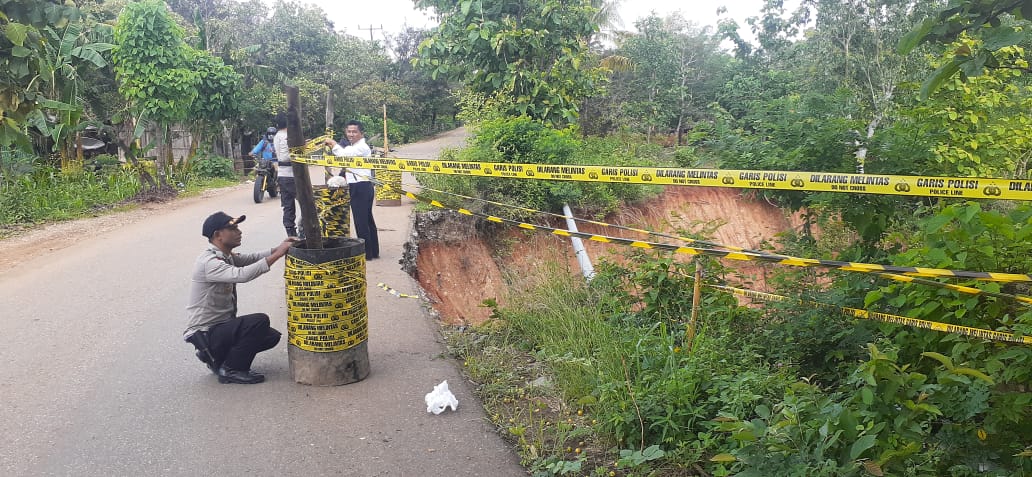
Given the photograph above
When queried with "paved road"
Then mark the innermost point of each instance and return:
(94, 379)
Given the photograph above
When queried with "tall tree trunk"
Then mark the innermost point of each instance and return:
(195, 141)
(228, 149)
(163, 153)
(329, 112)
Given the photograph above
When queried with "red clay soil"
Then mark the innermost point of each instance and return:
(458, 276)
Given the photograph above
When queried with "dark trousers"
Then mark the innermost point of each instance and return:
(235, 343)
(362, 210)
(287, 195)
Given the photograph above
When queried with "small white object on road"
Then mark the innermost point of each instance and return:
(440, 398)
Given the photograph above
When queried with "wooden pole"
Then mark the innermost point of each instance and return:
(329, 128)
(329, 110)
(386, 147)
(341, 363)
(302, 181)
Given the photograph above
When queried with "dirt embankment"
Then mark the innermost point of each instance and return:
(458, 270)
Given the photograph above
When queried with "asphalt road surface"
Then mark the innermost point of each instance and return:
(95, 379)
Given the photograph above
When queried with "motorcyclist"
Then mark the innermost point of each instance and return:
(265, 147)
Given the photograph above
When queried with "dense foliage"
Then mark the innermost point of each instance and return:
(790, 388)
(45, 49)
(786, 389)
(527, 57)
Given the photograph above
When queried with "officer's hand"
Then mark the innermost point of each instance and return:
(285, 245)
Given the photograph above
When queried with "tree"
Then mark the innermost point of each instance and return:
(528, 56)
(853, 48)
(42, 49)
(817, 102)
(296, 41)
(64, 53)
(675, 65)
(153, 72)
(979, 127)
(429, 98)
(986, 19)
(218, 94)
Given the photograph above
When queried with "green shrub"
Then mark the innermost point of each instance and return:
(15, 163)
(212, 166)
(686, 157)
(48, 194)
(106, 160)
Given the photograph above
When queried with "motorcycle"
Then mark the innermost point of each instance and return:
(264, 180)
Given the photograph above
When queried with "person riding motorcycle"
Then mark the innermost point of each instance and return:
(264, 147)
(265, 168)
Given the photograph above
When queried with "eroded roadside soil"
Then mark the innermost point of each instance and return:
(458, 270)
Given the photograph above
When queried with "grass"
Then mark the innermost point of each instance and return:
(535, 368)
(32, 193)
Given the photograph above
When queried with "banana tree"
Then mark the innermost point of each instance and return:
(63, 53)
(43, 45)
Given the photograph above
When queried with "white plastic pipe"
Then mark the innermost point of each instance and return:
(578, 247)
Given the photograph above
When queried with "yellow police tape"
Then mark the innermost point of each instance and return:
(887, 318)
(334, 206)
(394, 292)
(742, 255)
(393, 178)
(1024, 300)
(924, 186)
(1021, 299)
(326, 304)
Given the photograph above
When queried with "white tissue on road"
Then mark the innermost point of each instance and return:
(440, 398)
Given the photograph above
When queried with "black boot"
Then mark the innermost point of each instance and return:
(227, 375)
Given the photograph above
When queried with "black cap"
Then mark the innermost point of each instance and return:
(217, 221)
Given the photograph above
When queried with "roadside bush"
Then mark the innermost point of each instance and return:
(215, 167)
(15, 163)
(106, 160)
(978, 390)
(48, 194)
(686, 157)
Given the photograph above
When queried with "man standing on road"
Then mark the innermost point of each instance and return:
(228, 343)
(360, 186)
(285, 176)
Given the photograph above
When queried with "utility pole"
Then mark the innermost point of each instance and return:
(370, 30)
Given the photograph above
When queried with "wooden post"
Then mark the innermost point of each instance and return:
(329, 129)
(313, 359)
(302, 181)
(329, 110)
(389, 194)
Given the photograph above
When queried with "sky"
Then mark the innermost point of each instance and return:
(357, 16)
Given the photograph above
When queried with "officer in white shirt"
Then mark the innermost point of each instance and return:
(360, 186)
